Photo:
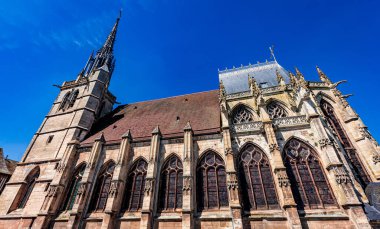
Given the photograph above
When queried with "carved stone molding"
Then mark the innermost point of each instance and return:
(376, 158)
(114, 189)
(324, 142)
(273, 147)
(53, 191)
(247, 127)
(149, 183)
(293, 121)
(61, 166)
(232, 182)
(228, 151)
(341, 176)
(283, 180)
(187, 183)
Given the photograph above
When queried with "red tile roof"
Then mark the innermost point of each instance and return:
(170, 114)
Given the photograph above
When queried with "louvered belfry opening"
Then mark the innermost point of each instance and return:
(171, 185)
(352, 155)
(102, 186)
(256, 180)
(135, 186)
(211, 182)
(308, 181)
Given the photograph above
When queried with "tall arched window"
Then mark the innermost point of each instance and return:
(135, 186)
(275, 110)
(73, 97)
(308, 181)
(102, 186)
(73, 188)
(171, 184)
(352, 155)
(28, 188)
(211, 180)
(242, 114)
(64, 101)
(258, 190)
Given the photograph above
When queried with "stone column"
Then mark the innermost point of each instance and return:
(54, 196)
(282, 182)
(150, 184)
(86, 184)
(116, 192)
(188, 179)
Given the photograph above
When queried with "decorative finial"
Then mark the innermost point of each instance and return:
(280, 79)
(272, 53)
(323, 76)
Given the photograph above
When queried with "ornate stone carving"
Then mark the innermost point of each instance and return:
(187, 183)
(228, 151)
(53, 191)
(232, 182)
(247, 127)
(376, 158)
(341, 176)
(82, 189)
(291, 121)
(149, 183)
(273, 147)
(238, 95)
(114, 188)
(61, 166)
(324, 142)
(283, 180)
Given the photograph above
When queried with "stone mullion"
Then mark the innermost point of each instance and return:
(282, 182)
(117, 187)
(54, 196)
(86, 184)
(232, 181)
(188, 179)
(150, 194)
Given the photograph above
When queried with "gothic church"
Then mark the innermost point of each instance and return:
(267, 149)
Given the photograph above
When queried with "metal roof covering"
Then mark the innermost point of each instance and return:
(236, 80)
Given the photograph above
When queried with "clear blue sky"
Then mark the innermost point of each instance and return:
(167, 48)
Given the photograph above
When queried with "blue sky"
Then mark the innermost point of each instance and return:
(172, 47)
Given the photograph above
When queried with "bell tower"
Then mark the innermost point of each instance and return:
(79, 103)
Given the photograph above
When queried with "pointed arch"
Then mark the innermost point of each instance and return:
(102, 186)
(28, 187)
(211, 180)
(322, 95)
(309, 183)
(354, 159)
(72, 191)
(276, 109)
(73, 97)
(256, 179)
(134, 194)
(171, 184)
(64, 101)
(242, 113)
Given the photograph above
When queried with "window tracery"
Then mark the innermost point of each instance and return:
(256, 179)
(212, 188)
(308, 181)
(73, 188)
(27, 190)
(242, 115)
(275, 110)
(352, 155)
(64, 101)
(171, 184)
(135, 186)
(73, 97)
(102, 186)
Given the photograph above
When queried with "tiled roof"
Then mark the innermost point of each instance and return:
(170, 114)
(7, 166)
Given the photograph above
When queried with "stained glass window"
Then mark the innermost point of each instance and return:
(256, 179)
(211, 182)
(135, 186)
(101, 189)
(275, 110)
(171, 184)
(352, 155)
(308, 181)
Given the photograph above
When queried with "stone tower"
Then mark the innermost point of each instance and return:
(78, 105)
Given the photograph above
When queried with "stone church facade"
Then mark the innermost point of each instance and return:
(268, 149)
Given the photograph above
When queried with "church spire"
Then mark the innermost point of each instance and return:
(104, 57)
